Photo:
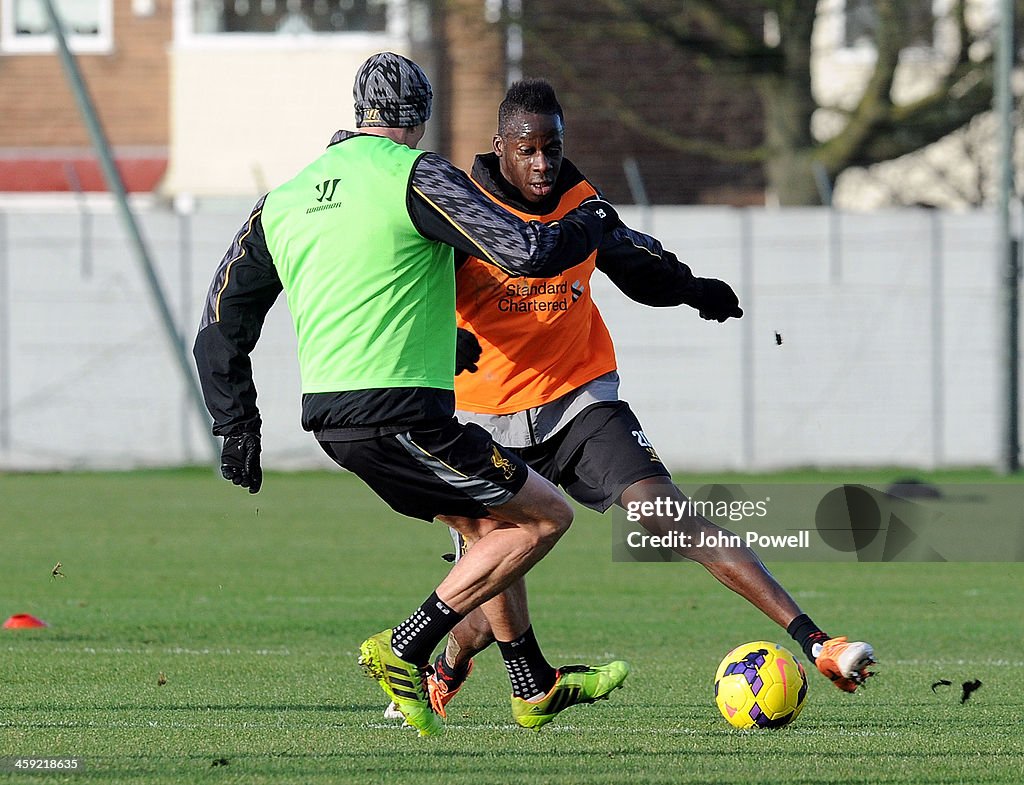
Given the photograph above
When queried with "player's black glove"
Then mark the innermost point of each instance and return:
(716, 300)
(602, 210)
(240, 461)
(467, 351)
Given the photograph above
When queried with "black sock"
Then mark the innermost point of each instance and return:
(807, 634)
(451, 676)
(528, 670)
(415, 639)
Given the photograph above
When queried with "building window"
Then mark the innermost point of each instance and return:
(215, 17)
(88, 25)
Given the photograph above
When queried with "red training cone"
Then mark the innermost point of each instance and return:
(21, 621)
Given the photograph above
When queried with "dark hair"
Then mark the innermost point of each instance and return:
(528, 96)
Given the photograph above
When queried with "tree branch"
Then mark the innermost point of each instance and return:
(724, 38)
(612, 105)
(913, 126)
(875, 103)
(963, 33)
(682, 144)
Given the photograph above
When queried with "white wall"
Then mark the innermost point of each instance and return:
(874, 368)
(854, 381)
(245, 119)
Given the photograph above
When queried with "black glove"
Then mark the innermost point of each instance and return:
(717, 301)
(240, 461)
(602, 210)
(467, 351)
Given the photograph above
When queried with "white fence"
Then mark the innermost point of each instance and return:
(888, 322)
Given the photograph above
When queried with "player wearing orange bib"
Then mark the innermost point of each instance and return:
(546, 386)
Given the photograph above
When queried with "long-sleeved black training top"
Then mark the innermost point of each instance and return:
(445, 207)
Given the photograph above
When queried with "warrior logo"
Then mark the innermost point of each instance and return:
(326, 191)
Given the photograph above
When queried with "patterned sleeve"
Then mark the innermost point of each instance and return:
(244, 288)
(447, 207)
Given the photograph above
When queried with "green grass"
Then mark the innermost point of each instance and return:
(253, 607)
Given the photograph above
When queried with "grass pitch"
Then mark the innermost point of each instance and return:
(199, 634)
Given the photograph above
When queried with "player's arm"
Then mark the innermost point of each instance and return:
(447, 207)
(645, 272)
(243, 289)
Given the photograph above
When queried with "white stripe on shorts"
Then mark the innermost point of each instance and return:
(488, 493)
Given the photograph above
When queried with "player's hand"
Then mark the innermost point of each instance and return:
(467, 351)
(240, 461)
(717, 301)
(603, 210)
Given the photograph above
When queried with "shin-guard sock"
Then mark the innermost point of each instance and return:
(808, 635)
(528, 670)
(415, 639)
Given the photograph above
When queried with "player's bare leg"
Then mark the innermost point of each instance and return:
(505, 545)
(740, 569)
(539, 692)
(736, 567)
(474, 633)
(470, 637)
(518, 535)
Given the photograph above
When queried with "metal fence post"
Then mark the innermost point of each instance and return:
(748, 415)
(938, 339)
(131, 225)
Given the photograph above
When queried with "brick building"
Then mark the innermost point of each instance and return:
(622, 89)
(614, 84)
(229, 97)
(211, 97)
(122, 50)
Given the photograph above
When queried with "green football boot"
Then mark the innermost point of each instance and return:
(573, 684)
(404, 683)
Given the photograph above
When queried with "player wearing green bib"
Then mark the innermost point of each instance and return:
(360, 242)
(372, 301)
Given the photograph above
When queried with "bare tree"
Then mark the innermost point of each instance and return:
(769, 44)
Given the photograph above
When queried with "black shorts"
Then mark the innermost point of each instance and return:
(601, 453)
(450, 469)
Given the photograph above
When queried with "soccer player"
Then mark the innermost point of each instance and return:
(546, 385)
(361, 241)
